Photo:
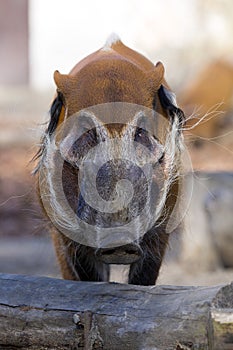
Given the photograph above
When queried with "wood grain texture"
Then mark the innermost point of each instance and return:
(45, 313)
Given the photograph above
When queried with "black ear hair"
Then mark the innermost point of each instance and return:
(55, 112)
(168, 105)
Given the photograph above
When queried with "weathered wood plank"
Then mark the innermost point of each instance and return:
(222, 318)
(39, 313)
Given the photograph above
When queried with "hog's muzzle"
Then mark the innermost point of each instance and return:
(122, 255)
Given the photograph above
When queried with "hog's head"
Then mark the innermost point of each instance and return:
(111, 153)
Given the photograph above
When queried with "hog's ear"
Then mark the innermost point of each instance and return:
(56, 112)
(156, 76)
(64, 82)
(168, 102)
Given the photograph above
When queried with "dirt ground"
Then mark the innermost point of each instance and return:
(25, 246)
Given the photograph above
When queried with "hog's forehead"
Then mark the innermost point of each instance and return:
(114, 73)
(110, 80)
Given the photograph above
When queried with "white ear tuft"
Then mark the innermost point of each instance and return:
(112, 39)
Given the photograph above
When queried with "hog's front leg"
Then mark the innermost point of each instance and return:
(146, 270)
(78, 262)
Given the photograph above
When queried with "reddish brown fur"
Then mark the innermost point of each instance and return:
(117, 74)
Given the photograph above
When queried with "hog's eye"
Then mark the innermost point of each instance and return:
(83, 144)
(142, 136)
(161, 159)
(151, 142)
(74, 148)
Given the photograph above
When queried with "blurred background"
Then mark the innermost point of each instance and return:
(193, 39)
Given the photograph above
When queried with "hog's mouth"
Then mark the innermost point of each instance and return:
(122, 255)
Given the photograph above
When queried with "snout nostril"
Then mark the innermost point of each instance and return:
(108, 252)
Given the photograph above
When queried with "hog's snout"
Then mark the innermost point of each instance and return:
(122, 255)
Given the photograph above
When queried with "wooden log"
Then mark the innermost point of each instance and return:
(46, 313)
(222, 318)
